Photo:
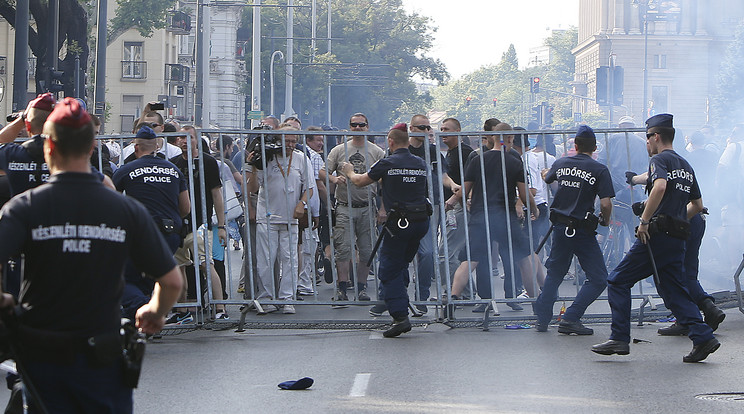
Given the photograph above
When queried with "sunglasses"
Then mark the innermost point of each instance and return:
(423, 127)
(650, 135)
(357, 124)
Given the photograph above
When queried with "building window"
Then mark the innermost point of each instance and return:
(131, 108)
(659, 100)
(133, 65)
(660, 61)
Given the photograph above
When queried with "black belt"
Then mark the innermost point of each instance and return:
(589, 223)
(358, 204)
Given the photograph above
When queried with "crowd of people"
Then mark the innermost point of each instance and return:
(304, 219)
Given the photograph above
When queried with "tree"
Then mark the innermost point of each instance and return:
(143, 15)
(73, 36)
(728, 105)
(377, 49)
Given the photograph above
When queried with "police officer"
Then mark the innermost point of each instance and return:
(403, 178)
(662, 233)
(75, 235)
(161, 187)
(580, 180)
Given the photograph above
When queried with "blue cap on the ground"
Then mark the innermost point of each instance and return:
(300, 384)
(660, 120)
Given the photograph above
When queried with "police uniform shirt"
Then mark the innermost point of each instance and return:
(494, 181)
(154, 182)
(682, 185)
(453, 165)
(403, 178)
(211, 179)
(580, 180)
(23, 170)
(434, 157)
(76, 235)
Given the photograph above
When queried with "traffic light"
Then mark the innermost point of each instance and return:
(610, 82)
(495, 101)
(467, 101)
(56, 83)
(537, 114)
(535, 85)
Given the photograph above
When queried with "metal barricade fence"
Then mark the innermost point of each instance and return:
(262, 291)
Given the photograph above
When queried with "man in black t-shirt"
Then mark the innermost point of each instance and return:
(213, 198)
(494, 214)
(75, 235)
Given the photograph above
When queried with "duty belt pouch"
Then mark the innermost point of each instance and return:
(419, 212)
(671, 226)
(167, 226)
(591, 222)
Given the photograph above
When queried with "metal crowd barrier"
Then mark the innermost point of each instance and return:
(441, 273)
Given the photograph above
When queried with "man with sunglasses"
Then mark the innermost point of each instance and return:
(420, 131)
(354, 207)
(674, 197)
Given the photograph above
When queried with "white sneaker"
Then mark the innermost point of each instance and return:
(523, 295)
(289, 309)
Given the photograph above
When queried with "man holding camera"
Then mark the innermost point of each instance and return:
(75, 235)
(283, 186)
(580, 180)
(674, 195)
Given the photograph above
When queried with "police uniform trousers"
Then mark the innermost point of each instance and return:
(276, 242)
(395, 255)
(692, 260)
(669, 253)
(584, 245)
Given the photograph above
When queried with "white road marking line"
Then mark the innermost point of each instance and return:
(359, 388)
(375, 335)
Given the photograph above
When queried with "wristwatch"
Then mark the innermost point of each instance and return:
(644, 223)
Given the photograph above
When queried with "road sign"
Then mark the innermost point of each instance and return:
(255, 114)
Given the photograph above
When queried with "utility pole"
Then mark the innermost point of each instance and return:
(329, 72)
(20, 65)
(288, 85)
(256, 62)
(52, 51)
(100, 87)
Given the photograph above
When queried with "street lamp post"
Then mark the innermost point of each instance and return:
(271, 77)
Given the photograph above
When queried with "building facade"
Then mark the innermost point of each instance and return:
(679, 44)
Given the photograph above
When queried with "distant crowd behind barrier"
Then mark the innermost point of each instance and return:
(277, 277)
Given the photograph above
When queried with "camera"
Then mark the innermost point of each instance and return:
(272, 146)
(12, 117)
(157, 106)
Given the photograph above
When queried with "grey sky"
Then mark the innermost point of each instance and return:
(473, 33)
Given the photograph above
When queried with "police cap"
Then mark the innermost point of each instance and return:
(659, 121)
(145, 132)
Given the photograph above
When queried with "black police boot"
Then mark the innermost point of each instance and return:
(612, 347)
(574, 327)
(675, 329)
(713, 314)
(700, 352)
(400, 326)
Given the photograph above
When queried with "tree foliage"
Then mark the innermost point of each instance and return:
(143, 15)
(728, 105)
(509, 85)
(377, 49)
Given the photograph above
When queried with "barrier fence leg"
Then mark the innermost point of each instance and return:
(738, 284)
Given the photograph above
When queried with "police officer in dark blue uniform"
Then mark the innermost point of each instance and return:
(161, 187)
(663, 230)
(404, 189)
(75, 235)
(580, 180)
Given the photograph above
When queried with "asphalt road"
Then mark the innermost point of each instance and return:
(436, 369)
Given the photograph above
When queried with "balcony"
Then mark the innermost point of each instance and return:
(133, 69)
(178, 23)
(177, 74)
